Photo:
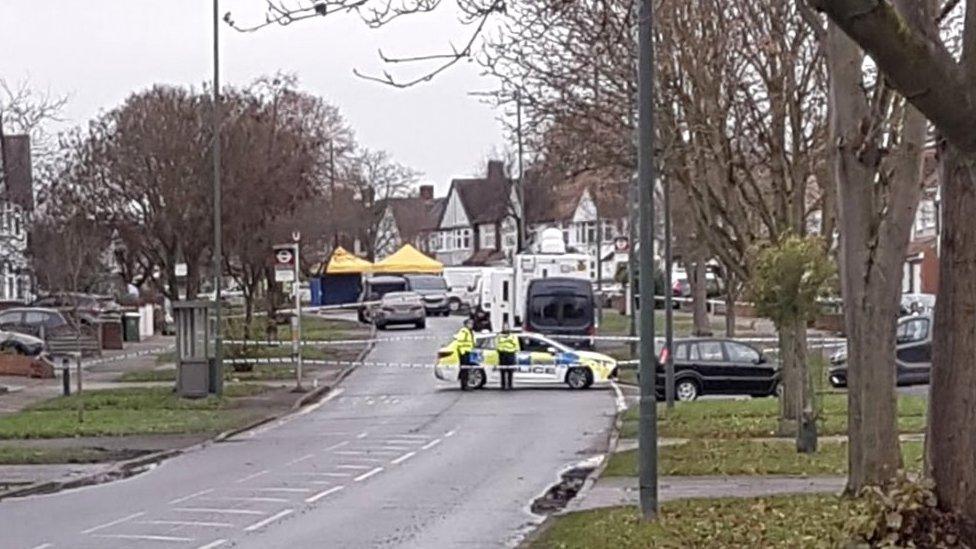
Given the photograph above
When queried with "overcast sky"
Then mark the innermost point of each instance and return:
(99, 51)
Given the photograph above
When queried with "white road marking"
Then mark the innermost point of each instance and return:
(323, 494)
(186, 523)
(43, 546)
(319, 404)
(355, 467)
(191, 496)
(367, 453)
(338, 445)
(288, 490)
(330, 475)
(142, 537)
(299, 460)
(364, 434)
(252, 476)
(431, 444)
(619, 398)
(365, 476)
(252, 499)
(450, 433)
(217, 511)
(213, 544)
(403, 458)
(421, 437)
(262, 523)
(113, 523)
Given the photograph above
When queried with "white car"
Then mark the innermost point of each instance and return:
(541, 360)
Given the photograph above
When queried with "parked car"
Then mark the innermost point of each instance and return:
(89, 307)
(433, 289)
(559, 306)
(35, 321)
(400, 308)
(541, 360)
(913, 354)
(374, 288)
(21, 344)
(716, 366)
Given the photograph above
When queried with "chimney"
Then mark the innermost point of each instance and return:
(496, 170)
(16, 166)
(427, 192)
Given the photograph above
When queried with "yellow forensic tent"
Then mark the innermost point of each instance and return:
(408, 260)
(343, 262)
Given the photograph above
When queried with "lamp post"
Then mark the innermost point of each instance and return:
(647, 441)
(217, 238)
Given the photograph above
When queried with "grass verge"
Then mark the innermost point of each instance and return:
(118, 412)
(758, 417)
(783, 521)
(14, 455)
(745, 457)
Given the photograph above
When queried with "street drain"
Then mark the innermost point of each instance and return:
(559, 495)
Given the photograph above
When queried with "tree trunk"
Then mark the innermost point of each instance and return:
(952, 403)
(872, 249)
(791, 398)
(730, 297)
(699, 300)
(806, 413)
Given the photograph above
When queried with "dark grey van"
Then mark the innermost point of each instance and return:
(560, 306)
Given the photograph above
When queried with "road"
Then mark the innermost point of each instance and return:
(389, 460)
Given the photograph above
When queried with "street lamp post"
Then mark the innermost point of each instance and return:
(647, 441)
(217, 239)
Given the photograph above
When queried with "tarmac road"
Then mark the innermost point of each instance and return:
(390, 459)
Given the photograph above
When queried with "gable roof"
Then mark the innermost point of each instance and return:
(485, 199)
(415, 215)
(549, 200)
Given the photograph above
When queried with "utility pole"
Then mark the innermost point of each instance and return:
(647, 441)
(633, 209)
(332, 195)
(668, 299)
(296, 325)
(218, 378)
(520, 193)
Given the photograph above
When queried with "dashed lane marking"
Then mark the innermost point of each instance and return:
(262, 523)
(191, 496)
(365, 476)
(450, 433)
(324, 493)
(213, 544)
(186, 523)
(286, 490)
(431, 444)
(403, 458)
(113, 523)
(364, 434)
(218, 511)
(337, 445)
(250, 499)
(299, 460)
(44, 546)
(143, 537)
(252, 476)
(353, 467)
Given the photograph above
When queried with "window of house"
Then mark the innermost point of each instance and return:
(434, 242)
(465, 239)
(590, 228)
(609, 230)
(487, 236)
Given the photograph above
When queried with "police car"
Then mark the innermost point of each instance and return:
(541, 360)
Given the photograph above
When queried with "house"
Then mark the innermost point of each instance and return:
(921, 274)
(478, 225)
(591, 211)
(408, 220)
(16, 210)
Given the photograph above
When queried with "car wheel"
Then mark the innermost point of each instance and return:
(421, 325)
(777, 390)
(362, 316)
(579, 378)
(476, 378)
(454, 305)
(380, 326)
(686, 390)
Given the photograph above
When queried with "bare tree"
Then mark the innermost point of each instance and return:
(376, 178)
(920, 65)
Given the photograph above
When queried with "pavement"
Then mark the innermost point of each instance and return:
(387, 459)
(616, 491)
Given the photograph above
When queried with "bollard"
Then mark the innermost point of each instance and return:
(66, 377)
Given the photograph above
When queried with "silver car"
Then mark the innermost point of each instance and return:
(400, 308)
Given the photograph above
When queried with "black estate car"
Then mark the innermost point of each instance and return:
(715, 366)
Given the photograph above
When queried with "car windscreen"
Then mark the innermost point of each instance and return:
(561, 310)
(427, 283)
(378, 290)
(396, 298)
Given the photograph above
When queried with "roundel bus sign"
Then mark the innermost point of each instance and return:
(284, 257)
